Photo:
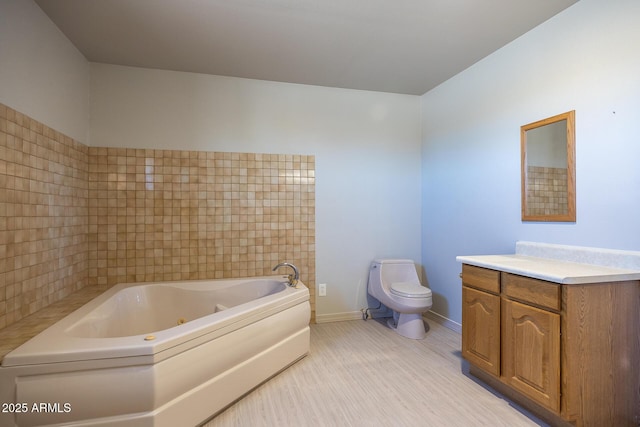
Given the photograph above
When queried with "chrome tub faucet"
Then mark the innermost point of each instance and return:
(293, 278)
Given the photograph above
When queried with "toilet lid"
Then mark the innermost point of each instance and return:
(410, 290)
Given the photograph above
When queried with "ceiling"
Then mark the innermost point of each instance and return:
(399, 46)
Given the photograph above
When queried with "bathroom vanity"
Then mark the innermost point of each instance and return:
(557, 329)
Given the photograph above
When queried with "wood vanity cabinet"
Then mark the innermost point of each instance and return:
(569, 353)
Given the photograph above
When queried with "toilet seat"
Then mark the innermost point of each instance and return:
(410, 290)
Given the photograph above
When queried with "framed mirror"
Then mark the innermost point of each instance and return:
(548, 166)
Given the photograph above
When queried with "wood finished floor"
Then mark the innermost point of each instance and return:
(363, 374)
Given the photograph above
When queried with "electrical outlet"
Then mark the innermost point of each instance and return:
(322, 290)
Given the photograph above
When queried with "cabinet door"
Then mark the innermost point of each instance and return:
(531, 352)
(481, 329)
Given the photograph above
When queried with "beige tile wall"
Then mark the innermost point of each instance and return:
(547, 191)
(72, 215)
(157, 215)
(43, 215)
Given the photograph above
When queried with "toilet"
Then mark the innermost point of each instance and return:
(395, 283)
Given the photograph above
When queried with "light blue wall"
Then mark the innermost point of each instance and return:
(584, 59)
(366, 146)
(42, 74)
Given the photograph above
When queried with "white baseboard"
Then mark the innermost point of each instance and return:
(447, 323)
(357, 315)
(338, 317)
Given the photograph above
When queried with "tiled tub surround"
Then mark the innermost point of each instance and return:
(20, 332)
(43, 216)
(158, 215)
(548, 193)
(72, 215)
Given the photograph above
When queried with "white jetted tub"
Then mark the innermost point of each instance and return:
(163, 354)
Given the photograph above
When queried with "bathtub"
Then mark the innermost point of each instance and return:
(161, 354)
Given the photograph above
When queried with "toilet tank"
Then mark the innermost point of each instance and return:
(396, 270)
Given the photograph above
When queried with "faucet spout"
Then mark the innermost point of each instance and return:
(293, 278)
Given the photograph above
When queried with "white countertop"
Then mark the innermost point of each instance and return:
(553, 270)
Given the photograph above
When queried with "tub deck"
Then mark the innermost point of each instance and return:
(18, 333)
(176, 379)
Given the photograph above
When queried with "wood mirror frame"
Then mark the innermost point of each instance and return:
(548, 177)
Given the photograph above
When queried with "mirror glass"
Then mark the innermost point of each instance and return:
(548, 169)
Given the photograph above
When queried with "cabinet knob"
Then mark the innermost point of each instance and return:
(460, 275)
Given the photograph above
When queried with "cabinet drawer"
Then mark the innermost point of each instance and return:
(533, 291)
(481, 278)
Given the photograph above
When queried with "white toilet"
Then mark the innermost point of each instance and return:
(395, 283)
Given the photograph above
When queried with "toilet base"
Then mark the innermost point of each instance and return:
(409, 325)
